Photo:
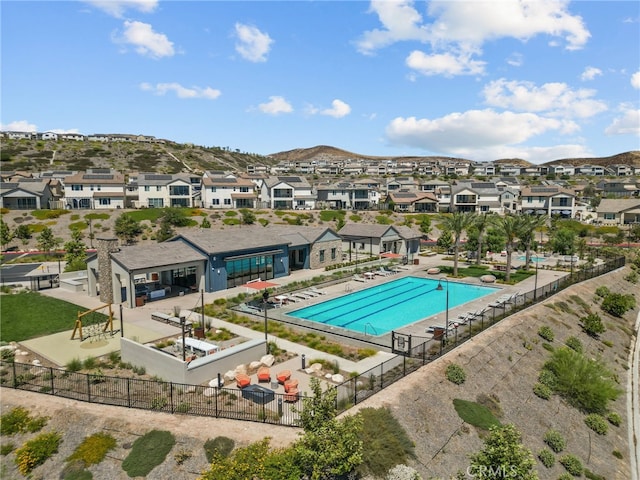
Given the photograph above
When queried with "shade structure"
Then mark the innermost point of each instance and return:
(260, 285)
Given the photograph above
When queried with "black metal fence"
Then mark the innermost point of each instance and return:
(264, 405)
(250, 404)
(415, 351)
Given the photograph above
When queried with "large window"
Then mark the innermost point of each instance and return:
(104, 201)
(242, 270)
(179, 190)
(321, 255)
(26, 203)
(156, 202)
(76, 188)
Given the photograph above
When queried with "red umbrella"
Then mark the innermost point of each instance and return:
(260, 284)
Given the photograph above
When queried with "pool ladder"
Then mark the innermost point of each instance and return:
(369, 325)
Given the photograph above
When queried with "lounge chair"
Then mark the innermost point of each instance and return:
(319, 292)
(242, 380)
(382, 272)
(264, 374)
(358, 278)
(292, 395)
(301, 296)
(310, 293)
(249, 308)
(291, 384)
(501, 301)
(283, 376)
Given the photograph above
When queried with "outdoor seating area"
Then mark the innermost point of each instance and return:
(264, 374)
(283, 376)
(242, 380)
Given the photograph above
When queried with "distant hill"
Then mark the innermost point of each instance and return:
(171, 157)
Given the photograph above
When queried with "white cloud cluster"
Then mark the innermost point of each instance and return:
(628, 123)
(590, 73)
(276, 106)
(116, 8)
(252, 44)
(145, 41)
(18, 126)
(556, 99)
(635, 80)
(460, 29)
(338, 109)
(161, 89)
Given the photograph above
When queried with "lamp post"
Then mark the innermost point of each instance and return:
(184, 353)
(440, 287)
(265, 297)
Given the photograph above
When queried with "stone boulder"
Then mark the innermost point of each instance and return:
(337, 378)
(267, 360)
(255, 365)
(230, 375)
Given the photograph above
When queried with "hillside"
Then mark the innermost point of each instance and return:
(170, 157)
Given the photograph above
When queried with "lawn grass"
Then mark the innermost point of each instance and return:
(475, 414)
(30, 315)
(479, 270)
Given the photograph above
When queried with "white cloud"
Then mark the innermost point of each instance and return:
(473, 130)
(635, 80)
(338, 109)
(180, 91)
(553, 98)
(473, 23)
(446, 64)
(63, 130)
(252, 45)
(515, 59)
(145, 40)
(116, 8)
(590, 73)
(626, 124)
(275, 106)
(18, 126)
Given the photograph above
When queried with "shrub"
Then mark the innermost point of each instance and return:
(572, 464)
(18, 420)
(6, 448)
(602, 291)
(617, 304)
(574, 344)
(542, 391)
(475, 414)
(148, 452)
(593, 476)
(35, 452)
(614, 419)
(93, 449)
(402, 472)
(597, 423)
(548, 378)
(617, 454)
(546, 333)
(221, 446)
(555, 440)
(74, 365)
(547, 458)
(455, 374)
(592, 324)
(565, 476)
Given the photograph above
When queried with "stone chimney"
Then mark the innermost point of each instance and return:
(104, 246)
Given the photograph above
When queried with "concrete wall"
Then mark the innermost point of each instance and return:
(200, 370)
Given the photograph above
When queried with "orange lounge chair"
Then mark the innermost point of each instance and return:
(283, 376)
(242, 380)
(264, 374)
(290, 385)
(292, 395)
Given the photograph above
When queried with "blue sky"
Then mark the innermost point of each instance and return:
(531, 79)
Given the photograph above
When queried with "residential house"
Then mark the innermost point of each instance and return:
(483, 168)
(287, 192)
(415, 202)
(509, 170)
(622, 170)
(547, 200)
(163, 190)
(480, 197)
(26, 194)
(618, 211)
(592, 170)
(561, 170)
(401, 183)
(225, 190)
(345, 196)
(628, 187)
(48, 136)
(75, 137)
(509, 198)
(364, 240)
(97, 188)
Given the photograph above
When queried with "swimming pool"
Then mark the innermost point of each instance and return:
(533, 258)
(379, 309)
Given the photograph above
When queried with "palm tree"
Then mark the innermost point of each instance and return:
(528, 227)
(456, 223)
(482, 223)
(509, 227)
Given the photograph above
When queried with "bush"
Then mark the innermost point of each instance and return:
(546, 333)
(148, 452)
(542, 391)
(74, 365)
(592, 325)
(402, 472)
(572, 464)
(617, 454)
(18, 420)
(222, 446)
(455, 374)
(614, 419)
(555, 440)
(6, 448)
(93, 449)
(35, 452)
(574, 344)
(597, 423)
(593, 476)
(602, 291)
(548, 378)
(617, 304)
(547, 458)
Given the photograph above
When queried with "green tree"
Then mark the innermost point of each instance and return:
(618, 304)
(248, 217)
(6, 235)
(563, 241)
(445, 240)
(205, 223)
(75, 256)
(127, 228)
(457, 223)
(46, 240)
(425, 225)
(175, 217)
(23, 233)
(482, 223)
(494, 240)
(528, 226)
(503, 456)
(592, 325)
(509, 226)
(165, 231)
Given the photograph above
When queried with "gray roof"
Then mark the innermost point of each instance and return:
(407, 232)
(616, 205)
(233, 239)
(364, 230)
(156, 255)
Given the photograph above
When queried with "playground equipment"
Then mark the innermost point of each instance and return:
(92, 323)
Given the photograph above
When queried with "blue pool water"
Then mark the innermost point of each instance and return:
(390, 305)
(533, 258)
